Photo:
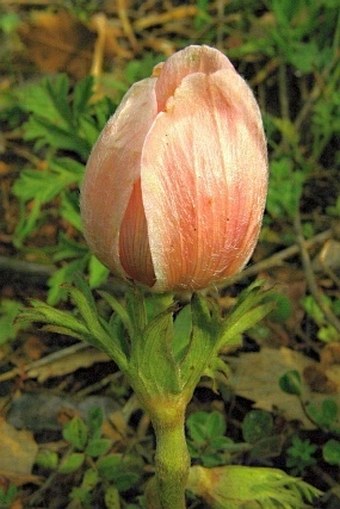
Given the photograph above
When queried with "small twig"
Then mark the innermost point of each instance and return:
(277, 259)
(22, 267)
(48, 359)
(99, 47)
(127, 27)
(283, 92)
(310, 277)
(220, 24)
(181, 12)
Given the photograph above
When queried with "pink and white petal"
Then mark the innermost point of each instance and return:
(112, 170)
(190, 60)
(134, 247)
(204, 180)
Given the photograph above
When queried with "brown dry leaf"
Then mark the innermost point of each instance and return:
(328, 257)
(68, 364)
(255, 376)
(34, 348)
(58, 42)
(17, 451)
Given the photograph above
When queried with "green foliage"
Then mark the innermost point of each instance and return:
(285, 189)
(257, 425)
(9, 310)
(241, 487)
(7, 496)
(300, 455)
(123, 471)
(326, 331)
(283, 309)
(325, 415)
(64, 124)
(291, 382)
(109, 474)
(47, 459)
(258, 431)
(9, 22)
(331, 452)
(57, 121)
(202, 18)
(71, 463)
(83, 9)
(206, 438)
(75, 432)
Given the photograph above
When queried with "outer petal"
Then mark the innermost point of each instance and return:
(112, 170)
(187, 61)
(204, 181)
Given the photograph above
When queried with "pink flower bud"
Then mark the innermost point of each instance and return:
(175, 187)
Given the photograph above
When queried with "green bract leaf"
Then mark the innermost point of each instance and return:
(253, 304)
(58, 290)
(235, 486)
(98, 273)
(200, 351)
(43, 313)
(9, 310)
(153, 358)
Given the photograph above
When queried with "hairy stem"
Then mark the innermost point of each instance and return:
(172, 460)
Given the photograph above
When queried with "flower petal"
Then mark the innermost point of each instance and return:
(187, 61)
(204, 181)
(112, 170)
(134, 247)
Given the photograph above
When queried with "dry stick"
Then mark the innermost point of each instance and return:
(174, 14)
(278, 258)
(15, 266)
(310, 277)
(48, 359)
(99, 47)
(126, 25)
(23, 268)
(220, 24)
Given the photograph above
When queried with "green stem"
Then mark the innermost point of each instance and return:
(172, 460)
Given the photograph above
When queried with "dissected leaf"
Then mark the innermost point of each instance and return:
(234, 486)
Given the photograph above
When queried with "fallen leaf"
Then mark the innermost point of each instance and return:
(17, 450)
(68, 364)
(255, 376)
(58, 42)
(328, 257)
(44, 411)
